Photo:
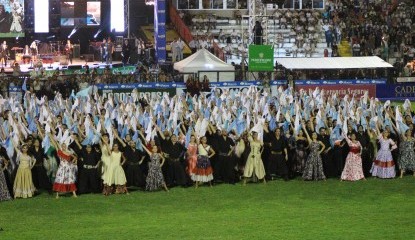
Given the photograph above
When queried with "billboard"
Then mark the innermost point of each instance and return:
(261, 58)
(11, 18)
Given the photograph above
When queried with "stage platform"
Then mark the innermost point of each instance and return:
(76, 64)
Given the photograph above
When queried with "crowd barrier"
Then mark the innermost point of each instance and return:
(376, 88)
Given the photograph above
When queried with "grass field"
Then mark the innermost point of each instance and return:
(372, 209)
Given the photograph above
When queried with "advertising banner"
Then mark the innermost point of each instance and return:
(16, 92)
(396, 91)
(123, 93)
(341, 90)
(160, 29)
(261, 58)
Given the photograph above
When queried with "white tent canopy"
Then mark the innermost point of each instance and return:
(203, 60)
(333, 63)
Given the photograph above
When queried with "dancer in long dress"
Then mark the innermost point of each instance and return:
(313, 169)
(134, 159)
(155, 179)
(67, 170)
(4, 190)
(23, 184)
(89, 176)
(384, 166)
(203, 171)
(254, 163)
(106, 163)
(353, 169)
(117, 174)
(191, 154)
(406, 159)
(300, 155)
(40, 177)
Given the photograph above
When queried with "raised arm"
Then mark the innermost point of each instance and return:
(306, 133)
(118, 137)
(53, 142)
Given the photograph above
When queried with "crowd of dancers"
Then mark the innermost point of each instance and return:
(87, 144)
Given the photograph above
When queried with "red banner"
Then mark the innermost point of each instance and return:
(342, 89)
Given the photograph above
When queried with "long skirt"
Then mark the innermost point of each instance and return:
(89, 181)
(383, 166)
(203, 171)
(277, 165)
(353, 169)
(176, 174)
(23, 184)
(65, 177)
(40, 178)
(135, 176)
(225, 169)
(4, 190)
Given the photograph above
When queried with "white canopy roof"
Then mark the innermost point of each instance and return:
(333, 63)
(203, 60)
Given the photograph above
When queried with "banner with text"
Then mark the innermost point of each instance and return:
(396, 91)
(160, 29)
(261, 58)
(122, 91)
(341, 90)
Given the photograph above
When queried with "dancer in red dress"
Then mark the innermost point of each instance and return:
(67, 171)
(353, 170)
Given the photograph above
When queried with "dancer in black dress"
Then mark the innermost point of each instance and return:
(332, 167)
(40, 178)
(225, 165)
(176, 166)
(300, 155)
(89, 176)
(364, 140)
(278, 157)
(134, 158)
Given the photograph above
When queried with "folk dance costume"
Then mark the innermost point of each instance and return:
(40, 177)
(203, 171)
(106, 165)
(277, 163)
(300, 155)
(133, 172)
(175, 169)
(4, 190)
(23, 184)
(254, 163)
(314, 166)
(155, 179)
(191, 157)
(66, 174)
(115, 173)
(353, 168)
(406, 160)
(384, 166)
(89, 176)
(225, 166)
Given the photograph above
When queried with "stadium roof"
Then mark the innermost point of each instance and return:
(333, 63)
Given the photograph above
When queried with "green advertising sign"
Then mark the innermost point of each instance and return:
(261, 58)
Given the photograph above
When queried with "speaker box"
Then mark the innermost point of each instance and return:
(74, 67)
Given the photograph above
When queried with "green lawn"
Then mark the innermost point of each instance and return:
(372, 209)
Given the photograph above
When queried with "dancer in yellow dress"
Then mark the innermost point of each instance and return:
(254, 163)
(23, 184)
